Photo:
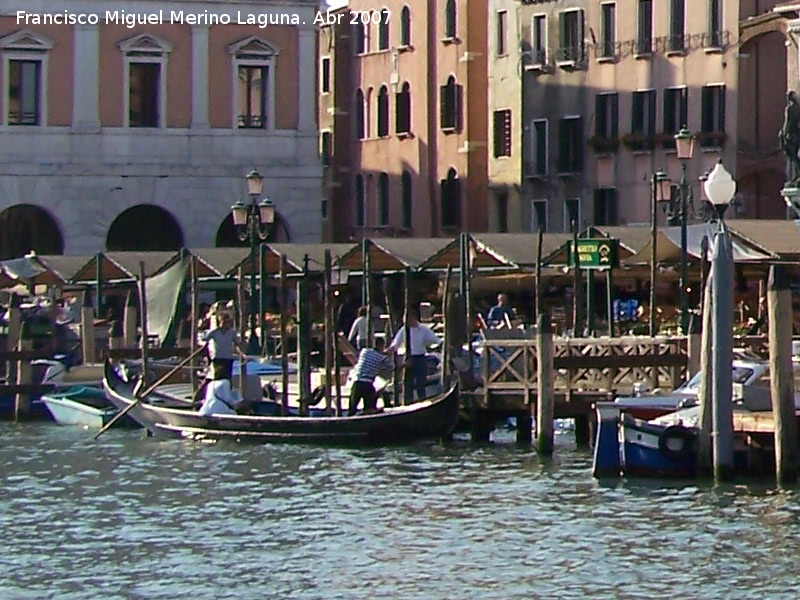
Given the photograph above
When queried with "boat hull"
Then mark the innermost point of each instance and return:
(430, 419)
(83, 406)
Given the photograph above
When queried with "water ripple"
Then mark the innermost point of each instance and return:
(130, 517)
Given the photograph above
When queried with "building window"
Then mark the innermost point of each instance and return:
(360, 35)
(608, 30)
(605, 206)
(713, 116)
(145, 99)
(572, 214)
(606, 108)
(676, 112)
(501, 210)
(383, 112)
(405, 27)
(383, 200)
(254, 73)
(323, 208)
(539, 40)
(643, 119)
(403, 114)
(25, 68)
(325, 75)
(450, 105)
(539, 144)
(677, 26)
(501, 32)
(538, 215)
(450, 19)
(570, 37)
(24, 92)
(359, 115)
(451, 199)
(502, 133)
(361, 204)
(405, 182)
(570, 145)
(644, 32)
(383, 30)
(325, 148)
(714, 24)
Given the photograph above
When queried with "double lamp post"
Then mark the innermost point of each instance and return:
(253, 223)
(678, 206)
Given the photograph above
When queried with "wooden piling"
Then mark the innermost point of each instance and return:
(577, 313)
(367, 289)
(545, 400)
(145, 340)
(284, 292)
(408, 392)
(694, 345)
(539, 307)
(337, 369)
(446, 351)
(779, 316)
(98, 282)
(129, 320)
(329, 333)
(87, 330)
(241, 303)
(193, 310)
(304, 334)
(22, 401)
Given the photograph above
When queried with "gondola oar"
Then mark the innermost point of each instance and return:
(141, 395)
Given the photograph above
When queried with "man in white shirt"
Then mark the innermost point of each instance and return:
(221, 343)
(358, 332)
(421, 338)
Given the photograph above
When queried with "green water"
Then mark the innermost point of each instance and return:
(131, 517)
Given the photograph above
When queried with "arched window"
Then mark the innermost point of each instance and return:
(360, 31)
(403, 115)
(383, 200)
(383, 30)
(405, 26)
(383, 112)
(450, 105)
(358, 115)
(450, 19)
(359, 194)
(451, 199)
(368, 112)
(405, 183)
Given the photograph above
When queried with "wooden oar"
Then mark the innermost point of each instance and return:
(141, 395)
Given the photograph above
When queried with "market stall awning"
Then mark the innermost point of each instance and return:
(122, 266)
(393, 254)
(772, 236)
(211, 263)
(295, 257)
(668, 246)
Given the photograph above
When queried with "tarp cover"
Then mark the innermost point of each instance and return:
(163, 299)
(22, 268)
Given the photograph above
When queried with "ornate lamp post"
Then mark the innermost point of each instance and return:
(253, 222)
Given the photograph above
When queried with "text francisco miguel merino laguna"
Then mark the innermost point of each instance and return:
(159, 17)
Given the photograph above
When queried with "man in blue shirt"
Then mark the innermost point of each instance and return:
(371, 361)
(501, 314)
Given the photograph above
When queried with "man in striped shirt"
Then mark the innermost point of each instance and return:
(371, 361)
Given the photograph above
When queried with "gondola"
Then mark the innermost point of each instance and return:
(163, 416)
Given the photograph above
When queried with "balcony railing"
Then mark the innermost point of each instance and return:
(251, 121)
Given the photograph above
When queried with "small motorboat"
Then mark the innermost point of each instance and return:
(82, 405)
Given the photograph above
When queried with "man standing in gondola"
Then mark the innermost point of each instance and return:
(222, 343)
(371, 362)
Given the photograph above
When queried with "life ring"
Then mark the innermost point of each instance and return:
(676, 442)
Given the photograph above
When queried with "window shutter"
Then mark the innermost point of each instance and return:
(579, 41)
(684, 108)
(706, 109)
(456, 201)
(577, 142)
(601, 115)
(563, 150)
(562, 31)
(458, 107)
(444, 203)
(443, 117)
(721, 114)
(636, 113)
(611, 207)
(651, 112)
(614, 100)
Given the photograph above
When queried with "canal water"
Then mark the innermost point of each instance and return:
(131, 517)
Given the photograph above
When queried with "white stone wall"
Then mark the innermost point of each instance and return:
(85, 176)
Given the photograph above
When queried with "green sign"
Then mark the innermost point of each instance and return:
(596, 253)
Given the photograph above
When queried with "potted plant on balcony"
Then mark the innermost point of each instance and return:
(602, 144)
(637, 141)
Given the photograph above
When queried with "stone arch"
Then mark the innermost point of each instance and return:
(228, 238)
(144, 227)
(26, 227)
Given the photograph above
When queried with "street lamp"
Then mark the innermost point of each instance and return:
(720, 188)
(253, 222)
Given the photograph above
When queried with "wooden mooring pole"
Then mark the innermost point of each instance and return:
(779, 316)
(446, 351)
(22, 401)
(145, 341)
(87, 330)
(193, 310)
(545, 400)
(304, 334)
(329, 347)
(284, 292)
(539, 307)
(408, 393)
